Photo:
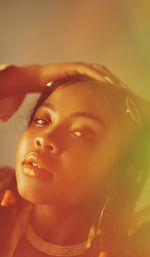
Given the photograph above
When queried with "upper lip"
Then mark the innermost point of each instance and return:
(35, 159)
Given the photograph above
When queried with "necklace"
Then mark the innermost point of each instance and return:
(52, 249)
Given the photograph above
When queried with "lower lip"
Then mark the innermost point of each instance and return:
(35, 172)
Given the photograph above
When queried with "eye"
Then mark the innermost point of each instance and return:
(40, 122)
(86, 134)
(77, 133)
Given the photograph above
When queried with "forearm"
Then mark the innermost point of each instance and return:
(19, 80)
(16, 82)
(33, 78)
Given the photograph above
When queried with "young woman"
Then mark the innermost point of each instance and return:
(81, 163)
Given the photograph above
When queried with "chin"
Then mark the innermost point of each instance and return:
(31, 196)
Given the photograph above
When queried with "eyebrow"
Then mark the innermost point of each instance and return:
(87, 115)
(48, 105)
(77, 114)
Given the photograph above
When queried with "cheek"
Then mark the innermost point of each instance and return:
(79, 169)
(24, 145)
(94, 163)
(105, 156)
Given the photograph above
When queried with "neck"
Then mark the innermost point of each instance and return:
(61, 225)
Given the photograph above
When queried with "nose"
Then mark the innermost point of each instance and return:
(41, 143)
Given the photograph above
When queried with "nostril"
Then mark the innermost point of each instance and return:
(38, 143)
(51, 148)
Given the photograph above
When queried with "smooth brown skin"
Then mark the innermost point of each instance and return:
(79, 162)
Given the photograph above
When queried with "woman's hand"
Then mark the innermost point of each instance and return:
(15, 81)
(21, 80)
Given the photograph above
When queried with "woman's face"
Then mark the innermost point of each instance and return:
(70, 147)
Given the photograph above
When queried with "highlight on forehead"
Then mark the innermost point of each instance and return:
(99, 88)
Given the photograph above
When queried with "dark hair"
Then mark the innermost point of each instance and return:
(131, 172)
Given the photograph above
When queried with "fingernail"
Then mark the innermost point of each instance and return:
(109, 79)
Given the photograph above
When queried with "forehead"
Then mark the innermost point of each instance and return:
(86, 96)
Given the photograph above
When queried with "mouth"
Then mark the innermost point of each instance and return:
(32, 163)
(34, 166)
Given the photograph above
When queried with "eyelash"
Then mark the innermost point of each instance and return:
(84, 133)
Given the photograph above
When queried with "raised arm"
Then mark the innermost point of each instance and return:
(17, 81)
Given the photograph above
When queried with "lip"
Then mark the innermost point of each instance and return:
(34, 166)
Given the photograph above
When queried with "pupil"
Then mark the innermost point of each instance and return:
(41, 122)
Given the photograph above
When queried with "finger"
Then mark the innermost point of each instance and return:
(109, 76)
(61, 71)
(20, 80)
(94, 71)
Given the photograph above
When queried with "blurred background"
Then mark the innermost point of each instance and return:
(114, 33)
